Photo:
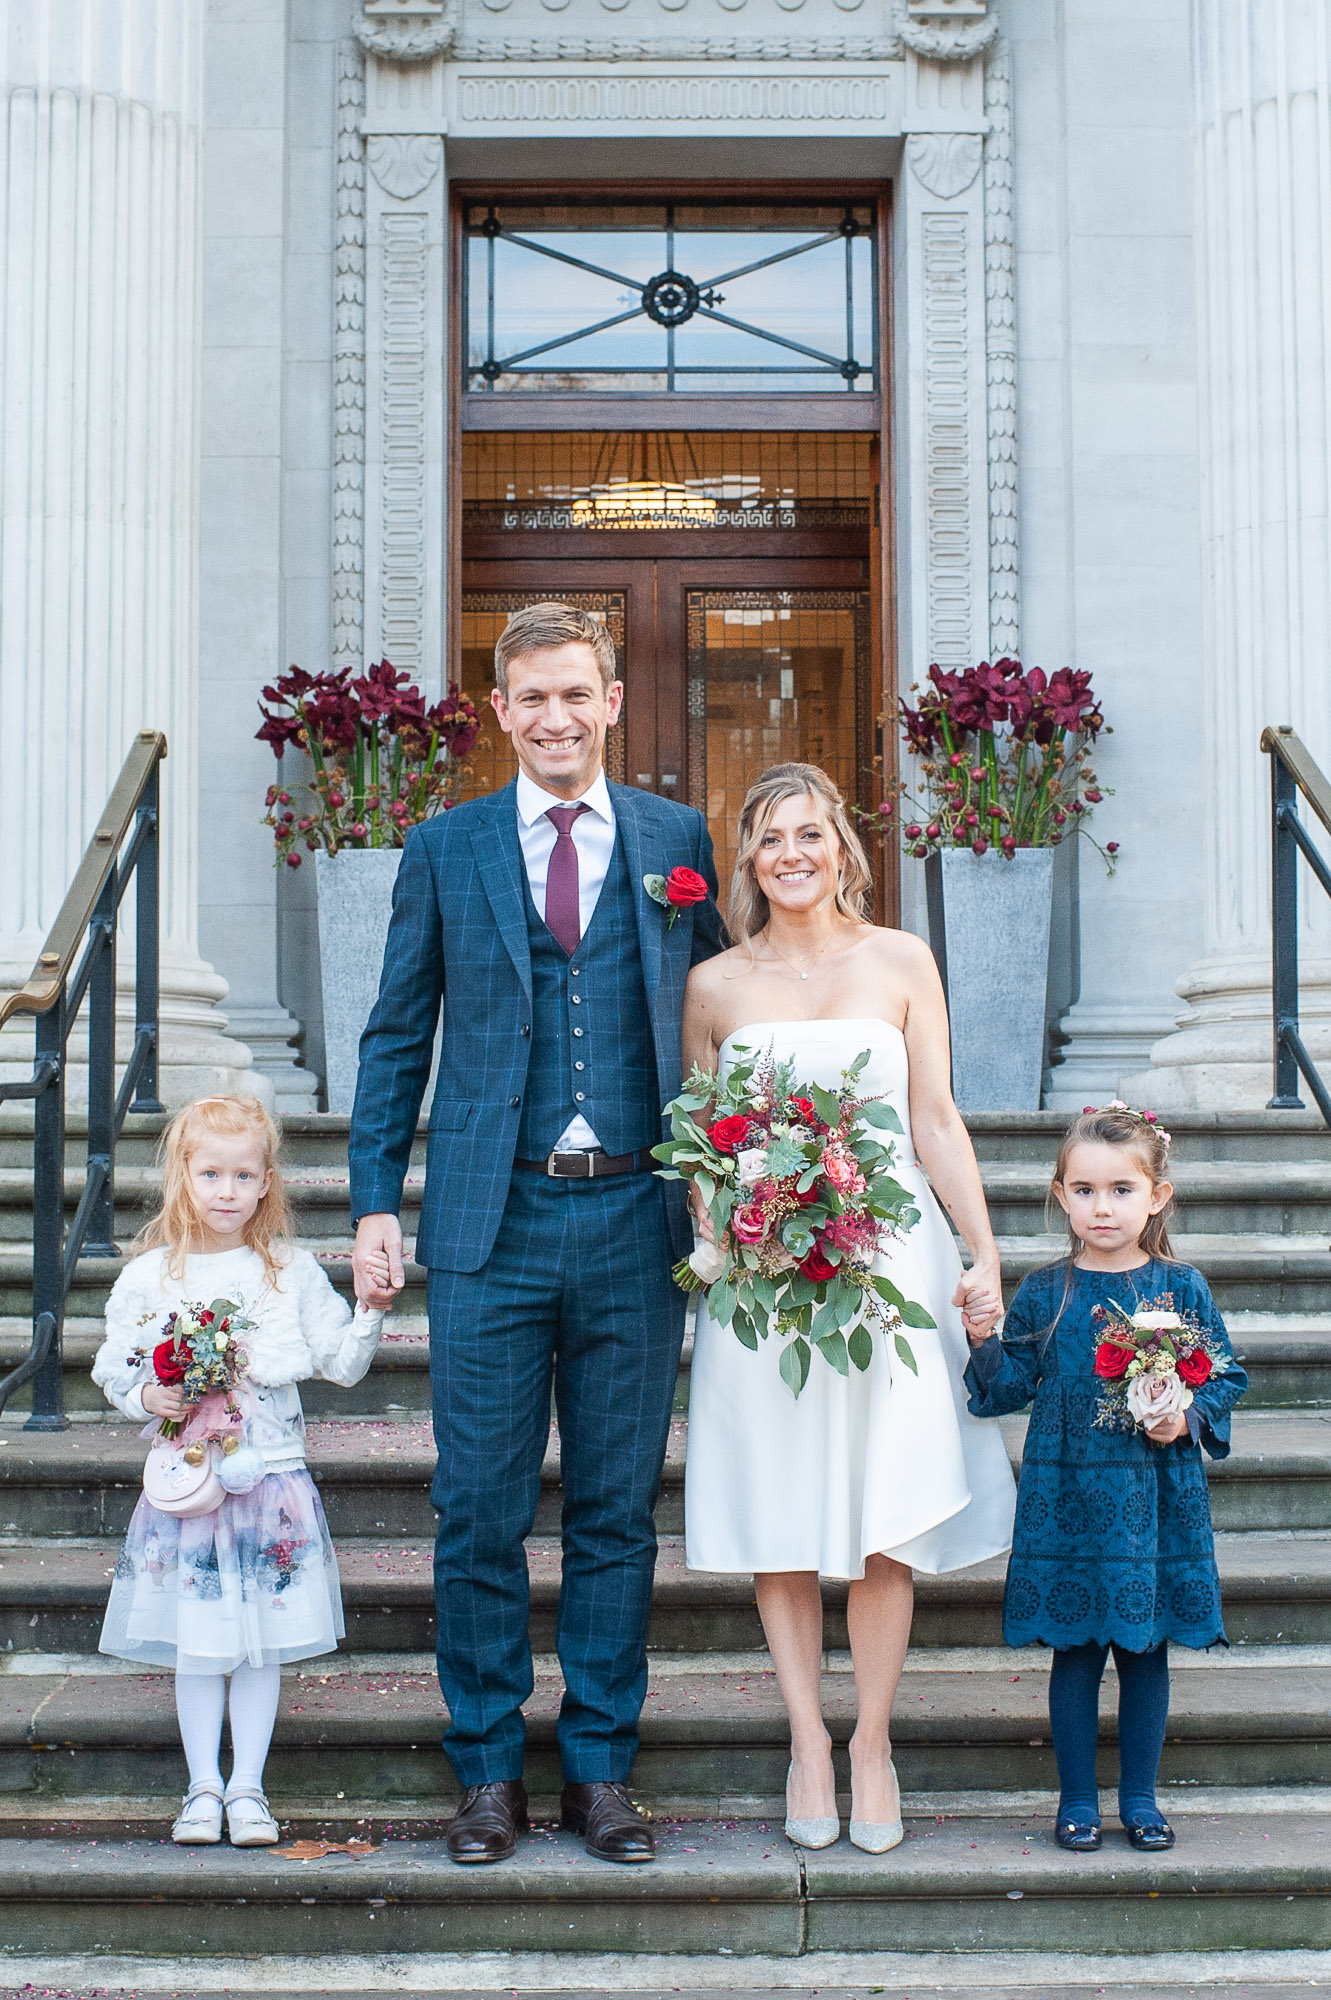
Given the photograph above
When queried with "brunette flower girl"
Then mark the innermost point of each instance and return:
(1131, 1371)
(253, 1584)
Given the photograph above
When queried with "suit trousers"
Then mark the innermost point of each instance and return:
(577, 1292)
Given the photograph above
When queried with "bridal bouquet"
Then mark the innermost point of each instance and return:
(799, 1186)
(1150, 1361)
(201, 1349)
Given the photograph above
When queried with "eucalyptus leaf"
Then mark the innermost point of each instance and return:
(825, 1319)
(833, 1349)
(860, 1346)
(887, 1290)
(915, 1315)
(903, 1349)
(795, 1365)
(826, 1105)
(721, 1302)
(742, 1328)
(875, 1112)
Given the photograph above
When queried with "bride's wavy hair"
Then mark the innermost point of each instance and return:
(748, 905)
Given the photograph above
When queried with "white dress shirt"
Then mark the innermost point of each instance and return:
(594, 840)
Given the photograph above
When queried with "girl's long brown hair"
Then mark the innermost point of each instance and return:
(177, 1223)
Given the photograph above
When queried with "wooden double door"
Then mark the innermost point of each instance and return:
(729, 665)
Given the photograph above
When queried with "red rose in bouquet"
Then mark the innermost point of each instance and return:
(167, 1364)
(1112, 1362)
(684, 887)
(729, 1134)
(817, 1266)
(1194, 1368)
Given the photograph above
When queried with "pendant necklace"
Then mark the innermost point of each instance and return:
(789, 961)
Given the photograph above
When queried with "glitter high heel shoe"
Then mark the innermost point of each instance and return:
(810, 1832)
(876, 1837)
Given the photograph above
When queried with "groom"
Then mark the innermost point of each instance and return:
(547, 1240)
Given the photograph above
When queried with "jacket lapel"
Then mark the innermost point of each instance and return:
(498, 857)
(650, 916)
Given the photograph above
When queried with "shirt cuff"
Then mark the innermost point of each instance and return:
(367, 1322)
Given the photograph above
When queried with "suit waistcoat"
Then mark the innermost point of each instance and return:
(592, 1049)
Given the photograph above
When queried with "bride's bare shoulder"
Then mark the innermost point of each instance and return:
(900, 950)
(713, 976)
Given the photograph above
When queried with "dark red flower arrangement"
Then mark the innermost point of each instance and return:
(383, 761)
(1006, 760)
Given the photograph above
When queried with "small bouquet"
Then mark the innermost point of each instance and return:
(201, 1349)
(798, 1182)
(1150, 1361)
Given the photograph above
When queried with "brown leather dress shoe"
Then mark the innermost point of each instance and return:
(614, 1828)
(488, 1821)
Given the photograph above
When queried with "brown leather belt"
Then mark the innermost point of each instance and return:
(586, 1166)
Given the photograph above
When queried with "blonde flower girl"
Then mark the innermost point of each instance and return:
(251, 1585)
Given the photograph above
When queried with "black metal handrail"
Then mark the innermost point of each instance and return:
(1293, 771)
(86, 929)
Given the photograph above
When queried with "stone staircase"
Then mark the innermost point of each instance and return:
(90, 1768)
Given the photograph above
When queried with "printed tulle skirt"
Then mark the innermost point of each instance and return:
(254, 1582)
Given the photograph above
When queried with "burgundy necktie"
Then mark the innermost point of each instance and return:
(562, 913)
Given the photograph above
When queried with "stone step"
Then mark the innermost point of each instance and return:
(320, 1138)
(712, 1744)
(995, 1885)
(1215, 1197)
(1287, 1356)
(1256, 1273)
(1277, 1589)
(374, 1476)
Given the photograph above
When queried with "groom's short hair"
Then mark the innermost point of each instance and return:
(538, 627)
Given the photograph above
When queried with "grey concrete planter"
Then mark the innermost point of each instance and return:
(989, 928)
(355, 896)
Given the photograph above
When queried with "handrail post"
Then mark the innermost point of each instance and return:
(1284, 938)
(147, 924)
(100, 1238)
(48, 1220)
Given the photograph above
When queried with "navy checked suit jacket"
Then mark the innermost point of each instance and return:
(458, 941)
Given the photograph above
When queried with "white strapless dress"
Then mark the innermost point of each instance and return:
(883, 1461)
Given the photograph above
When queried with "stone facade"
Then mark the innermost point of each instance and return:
(1083, 347)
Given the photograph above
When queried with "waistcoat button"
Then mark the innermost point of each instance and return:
(579, 1096)
(524, 1029)
(579, 1065)
(577, 1031)
(576, 999)
(575, 970)
(514, 1102)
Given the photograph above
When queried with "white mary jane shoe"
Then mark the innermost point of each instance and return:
(877, 1837)
(822, 1832)
(199, 1829)
(247, 1832)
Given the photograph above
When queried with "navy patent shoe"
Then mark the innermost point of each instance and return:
(1151, 1836)
(1083, 1839)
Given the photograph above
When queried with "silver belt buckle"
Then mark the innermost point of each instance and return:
(553, 1174)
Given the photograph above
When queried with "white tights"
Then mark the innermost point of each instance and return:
(200, 1702)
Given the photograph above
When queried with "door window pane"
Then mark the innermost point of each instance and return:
(775, 677)
(777, 298)
(484, 616)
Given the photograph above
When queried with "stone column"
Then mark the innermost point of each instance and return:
(99, 381)
(1263, 154)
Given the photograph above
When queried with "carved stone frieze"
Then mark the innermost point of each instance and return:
(1001, 358)
(678, 48)
(404, 164)
(948, 40)
(945, 253)
(673, 100)
(406, 40)
(945, 162)
(402, 389)
(349, 366)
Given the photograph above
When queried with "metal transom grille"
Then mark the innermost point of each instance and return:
(594, 296)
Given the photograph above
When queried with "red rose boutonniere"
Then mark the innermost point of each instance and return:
(679, 890)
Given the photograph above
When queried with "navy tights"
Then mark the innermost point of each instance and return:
(1074, 1714)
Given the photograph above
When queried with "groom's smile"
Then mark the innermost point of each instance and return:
(557, 708)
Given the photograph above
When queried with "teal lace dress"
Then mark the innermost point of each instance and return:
(1113, 1539)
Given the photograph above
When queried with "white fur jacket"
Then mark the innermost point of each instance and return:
(302, 1329)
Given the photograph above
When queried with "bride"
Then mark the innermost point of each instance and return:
(871, 1476)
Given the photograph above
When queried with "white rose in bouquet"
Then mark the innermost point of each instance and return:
(1155, 1398)
(708, 1262)
(751, 1165)
(1151, 1320)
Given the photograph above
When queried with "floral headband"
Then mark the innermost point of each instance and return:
(1147, 1118)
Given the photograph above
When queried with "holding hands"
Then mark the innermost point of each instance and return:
(979, 1294)
(376, 1261)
